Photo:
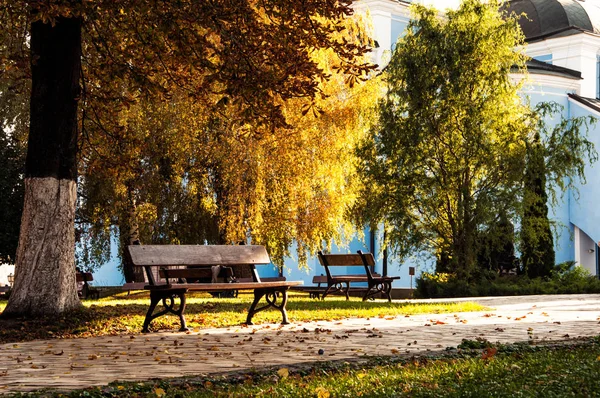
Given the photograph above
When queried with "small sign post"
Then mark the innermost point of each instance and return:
(411, 272)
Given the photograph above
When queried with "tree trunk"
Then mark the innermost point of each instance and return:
(129, 235)
(45, 264)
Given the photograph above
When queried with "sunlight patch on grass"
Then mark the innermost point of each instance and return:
(124, 314)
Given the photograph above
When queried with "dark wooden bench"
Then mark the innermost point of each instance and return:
(84, 290)
(341, 283)
(316, 292)
(195, 264)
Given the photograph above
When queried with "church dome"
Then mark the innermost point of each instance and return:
(556, 18)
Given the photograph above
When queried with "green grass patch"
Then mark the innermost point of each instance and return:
(502, 371)
(125, 314)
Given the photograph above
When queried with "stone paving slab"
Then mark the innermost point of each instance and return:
(79, 363)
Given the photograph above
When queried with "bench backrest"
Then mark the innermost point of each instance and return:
(344, 260)
(84, 276)
(196, 256)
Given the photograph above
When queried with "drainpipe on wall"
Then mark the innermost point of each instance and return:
(372, 244)
(597, 265)
(384, 272)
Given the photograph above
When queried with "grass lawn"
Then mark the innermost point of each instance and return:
(121, 313)
(570, 369)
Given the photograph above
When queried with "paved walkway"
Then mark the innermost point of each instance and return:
(79, 363)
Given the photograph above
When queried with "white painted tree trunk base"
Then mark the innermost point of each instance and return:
(45, 267)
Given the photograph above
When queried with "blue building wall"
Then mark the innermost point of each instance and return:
(399, 24)
(584, 210)
(563, 242)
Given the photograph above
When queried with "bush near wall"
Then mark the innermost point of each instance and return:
(565, 279)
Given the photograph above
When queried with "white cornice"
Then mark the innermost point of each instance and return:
(585, 41)
(536, 79)
(383, 7)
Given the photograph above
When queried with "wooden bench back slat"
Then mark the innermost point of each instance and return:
(345, 260)
(188, 273)
(84, 276)
(361, 259)
(191, 255)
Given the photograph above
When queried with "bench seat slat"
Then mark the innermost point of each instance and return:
(323, 278)
(209, 287)
(350, 278)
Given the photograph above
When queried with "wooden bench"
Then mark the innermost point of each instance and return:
(316, 292)
(195, 263)
(341, 283)
(84, 290)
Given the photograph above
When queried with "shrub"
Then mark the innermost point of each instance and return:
(565, 278)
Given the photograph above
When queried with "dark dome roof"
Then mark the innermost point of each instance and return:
(547, 18)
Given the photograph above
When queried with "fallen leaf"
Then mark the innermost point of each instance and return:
(489, 353)
(283, 373)
(322, 392)
(159, 392)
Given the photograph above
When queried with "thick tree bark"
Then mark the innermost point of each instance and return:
(45, 264)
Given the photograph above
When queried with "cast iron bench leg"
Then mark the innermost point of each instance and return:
(347, 291)
(384, 287)
(388, 287)
(271, 298)
(337, 287)
(168, 301)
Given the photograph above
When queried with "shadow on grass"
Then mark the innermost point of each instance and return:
(124, 314)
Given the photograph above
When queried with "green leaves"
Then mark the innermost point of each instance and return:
(447, 159)
(448, 149)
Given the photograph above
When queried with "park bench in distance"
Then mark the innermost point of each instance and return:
(198, 259)
(316, 292)
(341, 283)
(84, 290)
